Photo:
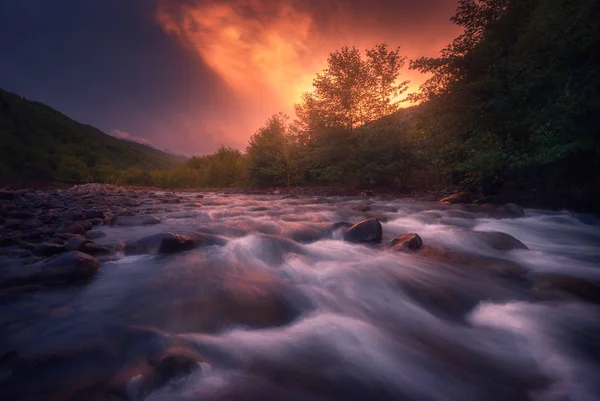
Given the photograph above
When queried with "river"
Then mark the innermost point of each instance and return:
(275, 305)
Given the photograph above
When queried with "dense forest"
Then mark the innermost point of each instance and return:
(509, 112)
(39, 143)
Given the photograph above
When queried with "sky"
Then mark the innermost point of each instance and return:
(191, 75)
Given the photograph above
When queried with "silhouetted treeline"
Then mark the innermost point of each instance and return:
(510, 109)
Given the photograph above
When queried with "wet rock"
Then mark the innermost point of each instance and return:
(34, 233)
(368, 230)
(21, 214)
(95, 222)
(13, 224)
(406, 242)
(66, 268)
(472, 262)
(292, 196)
(134, 220)
(320, 201)
(199, 196)
(161, 243)
(362, 207)
(95, 234)
(460, 197)
(95, 250)
(71, 227)
(48, 249)
(7, 195)
(73, 216)
(93, 214)
(500, 241)
(75, 243)
(586, 290)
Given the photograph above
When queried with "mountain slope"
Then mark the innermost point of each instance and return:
(38, 142)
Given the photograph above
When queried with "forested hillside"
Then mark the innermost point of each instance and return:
(38, 142)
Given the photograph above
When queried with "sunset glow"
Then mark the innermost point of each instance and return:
(268, 53)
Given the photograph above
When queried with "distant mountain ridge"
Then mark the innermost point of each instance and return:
(38, 142)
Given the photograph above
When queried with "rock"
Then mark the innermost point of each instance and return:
(362, 208)
(320, 201)
(367, 193)
(199, 196)
(71, 227)
(461, 197)
(21, 214)
(73, 216)
(93, 214)
(66, 268)
(135, 220)
(95, 250)
(7, 195)
(75, 243)
(500, 241)
(95, 234)
(405, 242)
(292, 196)
(368, 230)
(580, 288)
(48, 249)
(515, 209)
(34, 233)
(161, 243)
(13, 224)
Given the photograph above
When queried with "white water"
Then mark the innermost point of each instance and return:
(372, 324)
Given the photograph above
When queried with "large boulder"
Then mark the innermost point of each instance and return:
(66, 268)
(134, 220)
(161, 243)
(407, 242)
(368, 230)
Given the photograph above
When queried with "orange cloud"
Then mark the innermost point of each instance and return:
(264, 50)
(268, 52)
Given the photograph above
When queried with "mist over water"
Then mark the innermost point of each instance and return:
(285, 309)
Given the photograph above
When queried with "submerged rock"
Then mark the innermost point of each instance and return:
(500, 241)
(368, 230)
(66, 268)
(406, 242)
(580, 288)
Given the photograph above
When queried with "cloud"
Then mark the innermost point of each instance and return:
(268, 52)
(128, 137)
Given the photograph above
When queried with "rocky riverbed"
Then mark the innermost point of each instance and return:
(109, 293)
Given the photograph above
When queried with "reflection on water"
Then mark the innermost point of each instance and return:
(287, 310)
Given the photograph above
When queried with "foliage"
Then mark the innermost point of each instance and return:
(37, 142)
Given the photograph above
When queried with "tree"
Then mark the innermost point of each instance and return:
(268, 153)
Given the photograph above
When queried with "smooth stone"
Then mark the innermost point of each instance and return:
(49, 249)
(362, 208)
(71, 227)
(73, 216)
(135, 220)
(515, 209)
(66, 268)
(368, 230)
(406, 242)
(75, 243)
(499, 240)
(93, 214)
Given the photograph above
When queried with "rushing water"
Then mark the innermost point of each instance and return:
(287, 310)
